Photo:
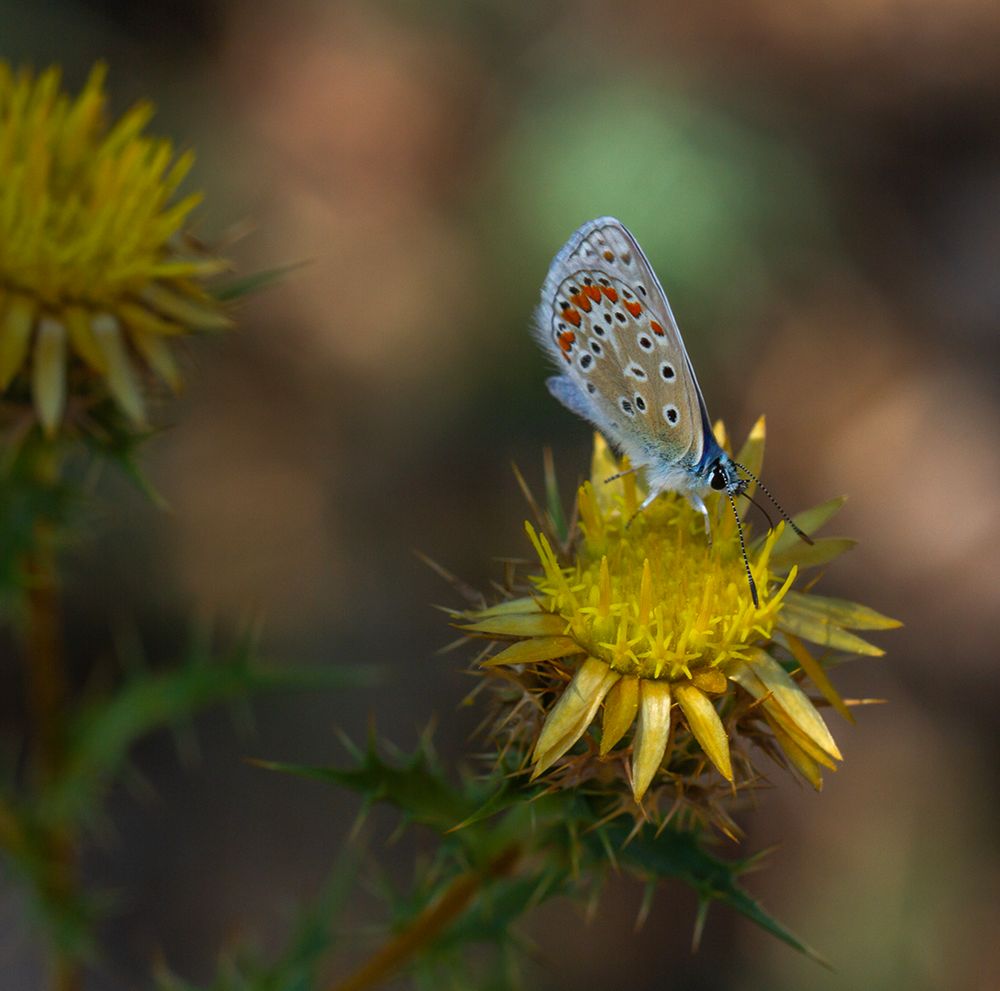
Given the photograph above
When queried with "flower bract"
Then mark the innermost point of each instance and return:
(641, 640)
(97, 277)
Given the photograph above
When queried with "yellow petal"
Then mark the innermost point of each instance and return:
(804, 555)
(48, 373)
(721, 435)
(602, 466)
(591, 518)
(814, 671)
(619, 712)
(534, 650)
(805, 743)
(119, 375)
(850, 615)
(706, 726)
(539, 624)
(139, 318)
(751, 456)
(710, 680)
(184, 310)
(745, 676)
(573, 713)
(645, 594)
(510, 606)
(16, 324)
(180, 268)
(630, 495)
(652, 731)
(81, 338)
(811, 521)
(818, 629)
(158, 356)
(792, 699)
(810, 769)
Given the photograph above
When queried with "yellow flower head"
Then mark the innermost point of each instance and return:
(649, 622)
(95, 275)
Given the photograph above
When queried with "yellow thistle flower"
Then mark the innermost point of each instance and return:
(95, 277)
(658, 627)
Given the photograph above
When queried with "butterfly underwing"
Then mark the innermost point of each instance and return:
(606, 323)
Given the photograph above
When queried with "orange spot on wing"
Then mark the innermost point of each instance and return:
(609, 256)
(571, 316)
(580, 300)
(566, 339)
(612, 294)
(657, 329)
(593, 292)
(634, 308)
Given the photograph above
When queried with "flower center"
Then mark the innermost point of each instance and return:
(654, 599)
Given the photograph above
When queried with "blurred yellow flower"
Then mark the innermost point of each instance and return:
(95, 273)
(659, 628)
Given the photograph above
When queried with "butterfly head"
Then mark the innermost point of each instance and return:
(722, 477)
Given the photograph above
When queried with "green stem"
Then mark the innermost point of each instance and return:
(430, 923)
(47, 691)
(43, 656)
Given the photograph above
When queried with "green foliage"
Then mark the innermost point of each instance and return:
(300, 965)
(67, 918)
(549, 844)
(99, 737)
(102, 732)
(255, 282)
(31, 495)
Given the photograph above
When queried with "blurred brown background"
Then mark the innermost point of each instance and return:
(818, 188)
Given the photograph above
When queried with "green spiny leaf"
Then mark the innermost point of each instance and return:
(810, 521)
(417, 788)
(553, 500)
(681, 855)
(100, 736)
(255, 282)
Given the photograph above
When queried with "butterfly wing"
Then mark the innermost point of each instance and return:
(605, 321)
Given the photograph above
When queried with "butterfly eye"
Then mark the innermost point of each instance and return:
(717, 480)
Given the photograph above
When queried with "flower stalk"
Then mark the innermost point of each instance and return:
(99, 281)
(47, 690)
(429, 924)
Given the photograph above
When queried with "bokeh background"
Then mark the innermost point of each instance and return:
(818, 187)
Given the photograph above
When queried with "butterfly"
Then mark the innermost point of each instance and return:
(605, 321)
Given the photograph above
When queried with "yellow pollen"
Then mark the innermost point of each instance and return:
(654, 599)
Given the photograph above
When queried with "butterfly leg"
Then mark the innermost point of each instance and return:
(698, 503)
(646, 503)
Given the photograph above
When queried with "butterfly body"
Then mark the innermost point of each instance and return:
(605, 321)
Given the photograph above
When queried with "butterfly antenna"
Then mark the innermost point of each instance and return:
(777, 505)
(766, 514)
(621, 474)
(743, 551)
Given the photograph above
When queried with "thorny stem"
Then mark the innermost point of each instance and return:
(43, 657)
(46, 686)
(430, 922)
